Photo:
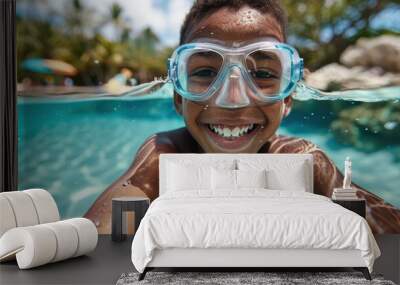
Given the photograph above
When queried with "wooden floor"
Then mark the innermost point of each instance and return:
(110, 259)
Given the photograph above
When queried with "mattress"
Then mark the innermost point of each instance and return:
(250, 219)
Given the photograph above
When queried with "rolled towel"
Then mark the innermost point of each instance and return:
(37, 245)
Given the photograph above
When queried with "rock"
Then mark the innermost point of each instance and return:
(382, 51)
(368, 127)
(338, 77)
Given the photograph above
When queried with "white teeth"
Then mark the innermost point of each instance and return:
(235, 132)
(228, 132)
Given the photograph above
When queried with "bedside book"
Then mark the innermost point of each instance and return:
(344, 193)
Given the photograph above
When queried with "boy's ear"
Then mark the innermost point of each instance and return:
(178, 103)
(306, 72)
(287, 106)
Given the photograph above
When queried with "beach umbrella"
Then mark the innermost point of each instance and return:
(49, 66)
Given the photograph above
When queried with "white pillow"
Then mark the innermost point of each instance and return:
(251, 178)
(223, 179)
(181, 177)
(282, 174)
(293, 179)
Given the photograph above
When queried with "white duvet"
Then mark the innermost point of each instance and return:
(252, 218)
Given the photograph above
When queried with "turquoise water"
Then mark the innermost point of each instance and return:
(75, 149)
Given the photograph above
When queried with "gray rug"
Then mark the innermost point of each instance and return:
(228, 278)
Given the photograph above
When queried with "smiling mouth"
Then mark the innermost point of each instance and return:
(232, 137)
(232, 132)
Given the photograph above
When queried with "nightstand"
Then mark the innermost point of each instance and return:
(139, 205)
(356, 205)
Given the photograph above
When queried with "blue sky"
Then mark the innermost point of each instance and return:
(165, 17)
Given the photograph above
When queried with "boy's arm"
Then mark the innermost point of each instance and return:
(141, 179)
(382, 217)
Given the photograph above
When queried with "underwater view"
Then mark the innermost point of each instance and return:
(77, 148)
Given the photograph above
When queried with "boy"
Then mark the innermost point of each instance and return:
(233, 118)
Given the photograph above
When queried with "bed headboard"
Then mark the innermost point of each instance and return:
(232, 159)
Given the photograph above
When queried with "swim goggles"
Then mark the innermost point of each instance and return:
(260, 72)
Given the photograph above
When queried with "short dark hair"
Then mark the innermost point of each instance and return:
(202, 8)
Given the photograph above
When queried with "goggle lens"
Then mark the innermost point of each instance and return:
(202, 69)
(265, 69)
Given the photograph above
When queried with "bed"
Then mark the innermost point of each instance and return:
(247, 210)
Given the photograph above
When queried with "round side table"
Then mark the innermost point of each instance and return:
(139, 205)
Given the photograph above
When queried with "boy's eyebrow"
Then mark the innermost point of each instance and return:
(218, 41)
(263, 55)
(206, 54)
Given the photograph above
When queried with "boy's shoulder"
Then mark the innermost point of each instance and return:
(288, 144)
(174, 141)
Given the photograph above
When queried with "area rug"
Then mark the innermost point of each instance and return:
(225, 278)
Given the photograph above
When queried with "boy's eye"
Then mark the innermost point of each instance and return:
(262, 74)
(203, 73)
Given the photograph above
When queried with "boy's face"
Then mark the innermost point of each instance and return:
(231, 26)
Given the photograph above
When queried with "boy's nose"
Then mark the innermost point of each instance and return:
(233, 91)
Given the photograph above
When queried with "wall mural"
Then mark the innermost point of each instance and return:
(90, 130)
